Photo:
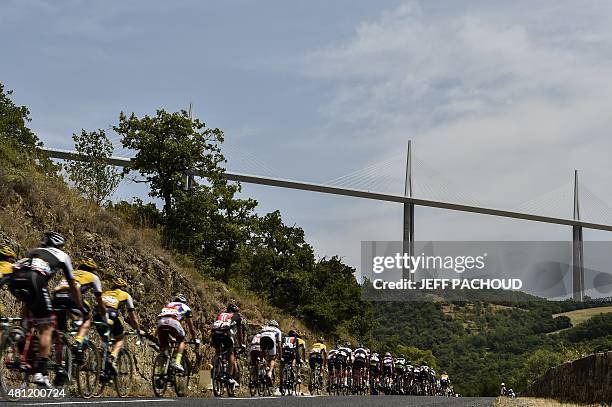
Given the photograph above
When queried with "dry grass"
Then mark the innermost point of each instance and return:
(532, 402)
(581, 315)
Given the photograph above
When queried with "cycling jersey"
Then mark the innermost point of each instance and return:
(318, 347)
(227, 321)
(84, 280)
(374, 359)
(176, 310)
(56, 258)
(270, 336)
(400, 363)
(361, 353)
(388, 361)
(115, 299)
(6, 268)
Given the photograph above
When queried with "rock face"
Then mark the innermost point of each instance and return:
(587, 380)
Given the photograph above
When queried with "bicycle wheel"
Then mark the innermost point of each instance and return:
(61, 371)
(11, 377)
(88, 373)
(181, 380)
(284, 381)
(125, 373)
(160, 364)
(217, 378)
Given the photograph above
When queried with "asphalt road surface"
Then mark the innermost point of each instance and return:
(289, 401)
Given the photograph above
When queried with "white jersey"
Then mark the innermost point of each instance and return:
(272, 332)
(176, 310)
(55, 258)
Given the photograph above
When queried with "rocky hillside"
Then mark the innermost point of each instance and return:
(32, 202)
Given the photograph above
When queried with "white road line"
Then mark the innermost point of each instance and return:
(46, 403)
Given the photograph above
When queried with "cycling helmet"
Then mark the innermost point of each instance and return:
(292, 333)
(402, 356)
(52, 239)
(119, 282)
(409, 362)
(424, 364)
(388, 354)
(320, 339)
(87, 264)
(347, 344)
(503, 384)
(231, 307)
(273, 323)
(180, 298)
(6, 251)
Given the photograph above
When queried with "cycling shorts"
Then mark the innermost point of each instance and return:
(359, 363)
(64, 302)
(114, 322)
(268, 345)
(315, 359)
(169, 329)
(222, 340)
(32, 288)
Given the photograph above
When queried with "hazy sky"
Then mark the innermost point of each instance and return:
(503, 99)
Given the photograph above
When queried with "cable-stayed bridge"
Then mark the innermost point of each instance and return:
(420, 185)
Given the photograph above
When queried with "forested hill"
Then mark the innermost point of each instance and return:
(484, 344)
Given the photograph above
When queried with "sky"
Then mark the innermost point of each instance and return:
(502, 100)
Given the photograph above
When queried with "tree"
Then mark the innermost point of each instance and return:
(169, 145)
(93, 177)
(13, 121)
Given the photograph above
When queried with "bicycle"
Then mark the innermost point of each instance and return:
(262, 385)
(316, 379)
(18, 353)
(124, 375)
(164, 374)
(288, 383)
(221, 376)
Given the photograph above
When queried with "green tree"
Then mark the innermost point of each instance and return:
(169, 145)
(92, 176)
(13, 121)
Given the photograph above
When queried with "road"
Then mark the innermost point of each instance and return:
(301, 401)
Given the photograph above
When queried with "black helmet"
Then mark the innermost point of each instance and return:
(231, 307)
(402, 356)
(52, 239)
(347, 344)
(180, 298)
(292, 333)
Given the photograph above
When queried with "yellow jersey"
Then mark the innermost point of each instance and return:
(84, 280)
(116, 298)
(6, 268)
(318, 348)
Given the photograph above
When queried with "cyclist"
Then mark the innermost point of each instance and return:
(388, 365)
(399, 366)
(375, 368)
(445, 384)
(169, 326)
(318, 355)
(409, 376)
(293, 351)
(7, 258)
(331, 365)
(114, 300)
(29, 283)
(360, 361)
(85, 280)
(270, 341)
(345, 359)
(227, 333)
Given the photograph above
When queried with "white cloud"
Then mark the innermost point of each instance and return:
(506, 102)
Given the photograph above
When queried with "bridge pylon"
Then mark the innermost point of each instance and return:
(408, 221)
(577, 248)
